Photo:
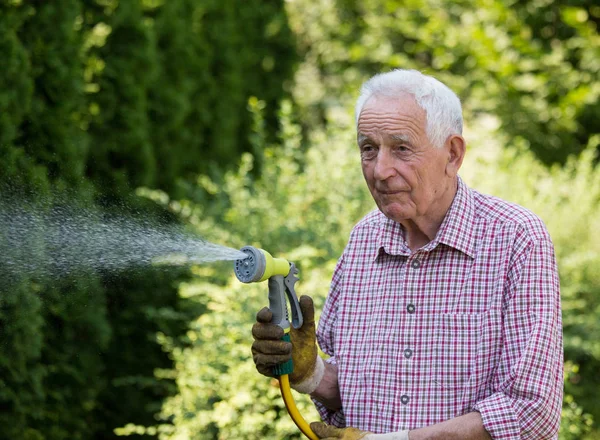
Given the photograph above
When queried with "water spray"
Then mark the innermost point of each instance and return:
(57, 240)
(281, 274)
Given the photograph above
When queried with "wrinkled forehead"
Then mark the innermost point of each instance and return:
(401, 103)
(398, 137)
(398, 118)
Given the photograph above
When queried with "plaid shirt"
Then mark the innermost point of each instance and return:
(469, 322)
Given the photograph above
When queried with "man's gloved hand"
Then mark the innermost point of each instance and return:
(268, 350)
(328, 432)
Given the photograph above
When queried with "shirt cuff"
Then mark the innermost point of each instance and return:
(400, 435)
(498, 417)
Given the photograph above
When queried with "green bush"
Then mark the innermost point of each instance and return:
(534, 64)
(97, 98)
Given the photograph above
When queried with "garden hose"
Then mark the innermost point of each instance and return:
(286, 393)
(259, 266)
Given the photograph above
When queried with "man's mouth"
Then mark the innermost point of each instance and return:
(389, 192)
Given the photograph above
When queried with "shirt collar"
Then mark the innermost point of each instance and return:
(456, 230)
(391, 238)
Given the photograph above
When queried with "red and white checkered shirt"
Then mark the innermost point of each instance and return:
(469, 322)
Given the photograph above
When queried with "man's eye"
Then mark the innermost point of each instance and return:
(368, 151)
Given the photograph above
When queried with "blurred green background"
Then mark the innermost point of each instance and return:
(235, 119)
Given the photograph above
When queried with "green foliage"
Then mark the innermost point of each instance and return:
(50, 134)
(575, 424)
(48, 363)
(290, 192)
(122, 152)
(168, 84)
(97, 98)
(15, 83)
(534, 64)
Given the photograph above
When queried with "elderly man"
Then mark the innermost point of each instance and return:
(443, 318)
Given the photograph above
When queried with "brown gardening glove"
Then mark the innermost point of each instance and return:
(268, 350)
(328, 432)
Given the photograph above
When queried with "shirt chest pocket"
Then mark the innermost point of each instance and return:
(454, 349)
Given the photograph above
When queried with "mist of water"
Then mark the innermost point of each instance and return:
(60, 241)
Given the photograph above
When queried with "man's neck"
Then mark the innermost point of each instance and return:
(423, 229)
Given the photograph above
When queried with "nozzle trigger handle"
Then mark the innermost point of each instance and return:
(279, 287)
(290, 282)
(277, 301)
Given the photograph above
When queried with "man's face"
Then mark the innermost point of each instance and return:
(405, 173)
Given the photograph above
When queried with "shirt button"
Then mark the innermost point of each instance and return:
(410, 308)
(404, 399)
(408, 353)
(415, 264)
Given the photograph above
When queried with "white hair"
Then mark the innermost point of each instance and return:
(442, 106)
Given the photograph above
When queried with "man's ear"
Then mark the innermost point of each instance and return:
(456, 148)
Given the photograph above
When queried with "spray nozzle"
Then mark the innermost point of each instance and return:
(259, 266)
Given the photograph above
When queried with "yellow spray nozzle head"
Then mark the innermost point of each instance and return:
(259, 266)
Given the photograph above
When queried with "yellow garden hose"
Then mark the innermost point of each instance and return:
(288, 399)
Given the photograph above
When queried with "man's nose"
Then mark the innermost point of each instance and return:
(384, 165)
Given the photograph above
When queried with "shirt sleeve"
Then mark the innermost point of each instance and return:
(528, 382)
(326, 340)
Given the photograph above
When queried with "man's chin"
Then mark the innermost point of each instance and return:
(395, 212)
